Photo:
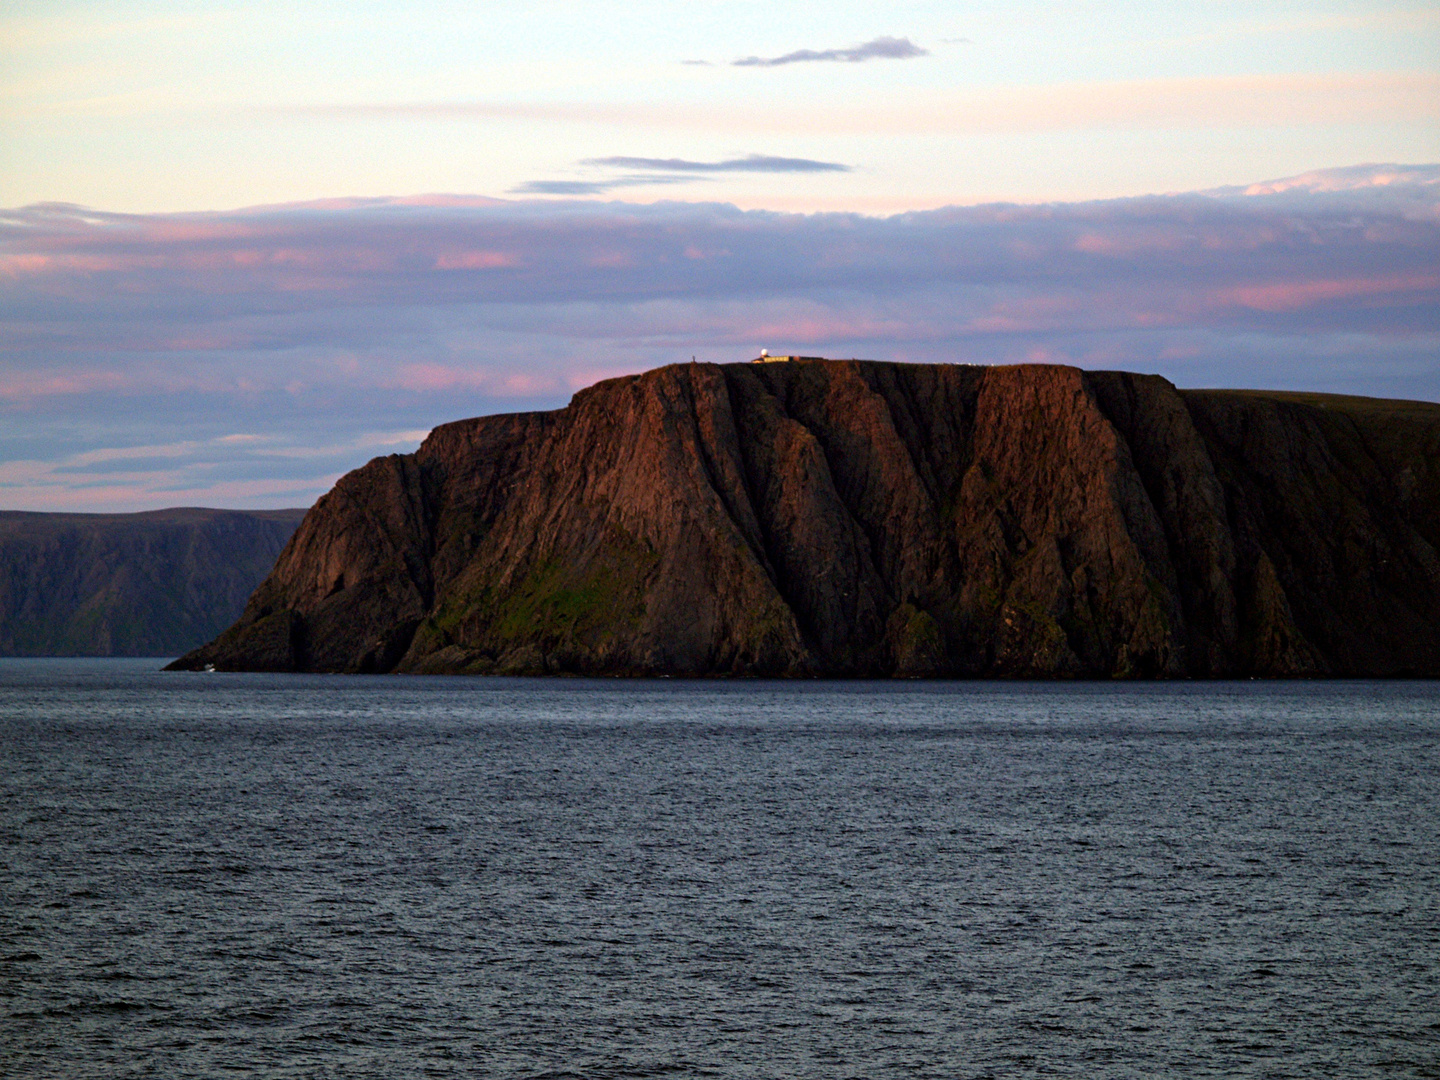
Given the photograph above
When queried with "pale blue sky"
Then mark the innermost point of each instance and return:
(188, 106)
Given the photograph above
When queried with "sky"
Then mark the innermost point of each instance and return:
(247, 246)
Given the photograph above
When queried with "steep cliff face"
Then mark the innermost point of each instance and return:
(152, 584)
(873, 519)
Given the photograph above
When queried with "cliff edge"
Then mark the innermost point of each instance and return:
(854, 518)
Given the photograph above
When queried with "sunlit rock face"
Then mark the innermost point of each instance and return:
(854, 518)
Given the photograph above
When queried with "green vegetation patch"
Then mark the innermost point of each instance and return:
(557, 600)
(916, 641)
(559, 606)
(1046, 631)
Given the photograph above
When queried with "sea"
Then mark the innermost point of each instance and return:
(349, 876)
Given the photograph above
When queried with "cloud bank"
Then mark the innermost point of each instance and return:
(266, 350)
(670, 171)
(755, 163)
(594, 187)
(881, 48)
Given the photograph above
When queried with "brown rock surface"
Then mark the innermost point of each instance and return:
(874, 519)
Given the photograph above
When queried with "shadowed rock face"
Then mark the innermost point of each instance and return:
(151, 584)
(873, 519)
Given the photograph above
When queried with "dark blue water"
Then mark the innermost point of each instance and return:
(207, 875)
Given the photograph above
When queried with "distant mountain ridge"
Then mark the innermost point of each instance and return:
(148, 584)
(859, 518)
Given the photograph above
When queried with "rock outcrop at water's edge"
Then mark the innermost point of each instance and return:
(853, 518)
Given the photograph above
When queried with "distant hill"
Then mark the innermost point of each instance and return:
(873, 519)
(151, 584)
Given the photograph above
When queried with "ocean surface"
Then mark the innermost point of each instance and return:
(213, 875)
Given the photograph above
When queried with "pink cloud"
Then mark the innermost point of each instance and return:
(182, 231)
(502, 383)
(1032, 313)
(1041, 354)
(31, 263)
(203, 341)
(818, 328)
(1347, 179)
(523, 384)
(1180, 352)
(428, 377)
(474, 260)
(1296, 295)
(1132, 243)
(24, 386)
(611, 260)
(80, 263)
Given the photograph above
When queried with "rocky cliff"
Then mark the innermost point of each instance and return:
(152, 584)
(876, 519)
